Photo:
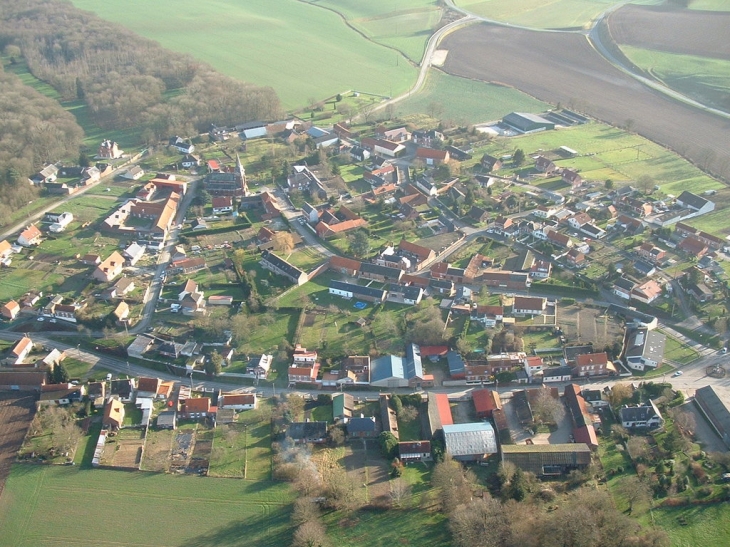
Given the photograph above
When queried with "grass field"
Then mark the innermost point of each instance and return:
(609, 152)
(676, 351)
(540, 14)
(466, 101)
(269, 42)
(693, 525)
(111, 507)
(712, 5)
(704, 79)
(405, 26)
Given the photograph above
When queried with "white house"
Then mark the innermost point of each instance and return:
(646, 415)
(238, 401)
(644, 348)
(63, 220)
(527, 305)
(30, 236)
(557, 374)
(134, 173)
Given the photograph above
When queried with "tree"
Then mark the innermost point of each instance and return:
(60, 374)
(608, 184)
(685, 420)
(620, 393)
(359, 244)
(546, 408)
(337, 436)
(481, 522)
(634, 490)
(305, 510)
(311, 534)
(454, 486)
(638, 448)
(400, 491)
(340, 489)
(283, 242)
(518, 158)
(84, 160)
(518, 486)
(388, 444)
(645, 183)
(214, 365)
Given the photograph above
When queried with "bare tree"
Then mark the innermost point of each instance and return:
(453, 485)
(400, 492)
(305, 510)
(283, 242)
(311, 534)
(340, 489)
(546, 408)
(620, 393)
(684, 419)
(638, 448)
(481, 522)
(635, 491)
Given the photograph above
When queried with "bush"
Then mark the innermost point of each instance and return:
(699, 473)
(704, 491)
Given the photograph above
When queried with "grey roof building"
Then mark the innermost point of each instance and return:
(714, 403)
(644, 348)
(470, 442)
(381, 273)
(280, 266)
(307, 432)
(352, 290)
(548, 459)
(646, 415)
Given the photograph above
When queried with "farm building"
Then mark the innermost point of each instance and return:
(388, 418)
(238, 401)
(546, 460)
(439, 412)
(644, 348)
(351, 290)
(714, 403)
(526, 122)
(485, 402)
(280, 266)
(456, 365)
(167, 420)
(470, 442)
(342, 405)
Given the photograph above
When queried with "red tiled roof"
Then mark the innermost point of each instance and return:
(442, 403)
(428, 351)
(591, 359)
(201, 404)
(486, 400)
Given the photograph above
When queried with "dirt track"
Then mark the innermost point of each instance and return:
(564, 68)
(702, 33)
(16, 413)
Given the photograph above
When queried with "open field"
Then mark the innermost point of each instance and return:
(711, 5)
(676, 351)
(564, 68)
(538, 14)
(671, 30)
(324, 56)
(693, 525)
(405, 27)
(16, 413)
(165, 510)
(466, 101)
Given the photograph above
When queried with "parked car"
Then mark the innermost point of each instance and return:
(678, 373)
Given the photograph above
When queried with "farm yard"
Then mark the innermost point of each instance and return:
(562, 68)
(165, 510)
(16, 414)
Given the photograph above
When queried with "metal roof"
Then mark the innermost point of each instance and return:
(388, 366)
(470, 439)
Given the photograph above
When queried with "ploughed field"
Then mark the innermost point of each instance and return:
(16, 413)
(564, 68)
(701, 33)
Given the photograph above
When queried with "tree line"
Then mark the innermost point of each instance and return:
(126, 80)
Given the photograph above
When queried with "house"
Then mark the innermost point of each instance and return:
(303, 179)
(222, 204)
(238, 401)
(307, 432)
(139, 346)
(109, 268)
(121, 312)
(181, 145)
(186, 265)
(647, 292)
(544, 165)
(10, 310)
(279, 266)
(573, 178)
(547, 460)
(6, 249)
(30, 236)
(399, 134)
(133, 173)
(644, 348)
(622, 288)
(113, 414)
(414, 451)
(381, 147)
(700, 292)
(311, 214)
(46, 175)
(345, 266)
(592, 364)
(583, 430)
(693, 246)
(645, 416)
(362, 428)
(575, 257)
(259, 365)
(558, 239)
(431, 156)
(190, 160)
(419, 254)
(60, 222)
(134, 252)
(383, 274)
(91, 259)
(652, 253)
(485, 402)
(19, 351)
(490, 163)
(524, 305)
(343, 405)
(488, 316)
(695, 203)
(457, 367)
(147, 387)
(470, 441)
(506, 280)
(109, 150)
(534, 365)
(123, 389)
(199, 407)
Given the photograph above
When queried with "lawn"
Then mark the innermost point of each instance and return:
(243, 449)
(264, 42)
(704, 79)
(693, 525)
(466, 101)
(15, 282)
(540, 14)
(676, 351)
(165, 509)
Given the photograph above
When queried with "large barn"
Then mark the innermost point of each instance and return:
(527, 123)
(714, 403)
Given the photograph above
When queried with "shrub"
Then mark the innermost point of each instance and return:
(704, 491)
(699, 473)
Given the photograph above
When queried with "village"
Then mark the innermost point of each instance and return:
(397, 260)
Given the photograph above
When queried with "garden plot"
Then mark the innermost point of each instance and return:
(365, 463)
(589, 325)
(124, 449)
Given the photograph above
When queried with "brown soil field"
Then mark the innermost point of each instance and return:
(16, 414)
(564, 68)
(702, 33)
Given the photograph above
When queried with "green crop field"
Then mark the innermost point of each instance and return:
(712, 5)
(701, 78)
(541, 14)
(466, 101)
(57, 505)
(299, 49)
(404, 25)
